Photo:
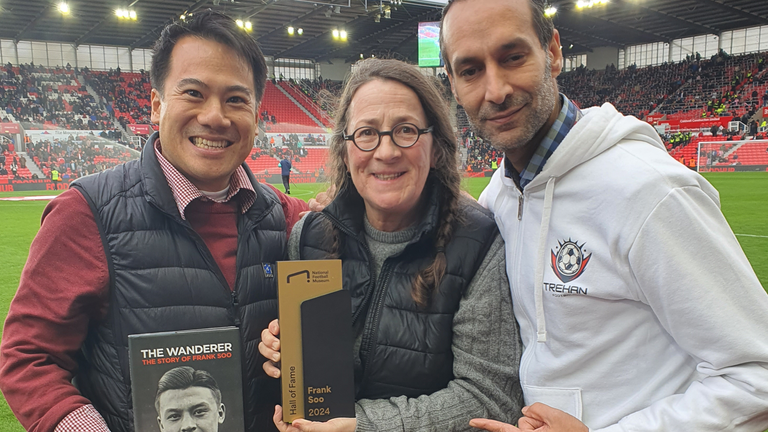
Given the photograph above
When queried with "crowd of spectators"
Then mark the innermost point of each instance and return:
(78, 156)
(265, 117)
(719, 86)
(633, 91)
(41, 97)
(315, 86)
(444, 84)
(124, 97)
(677, 139)
(323, 92)
(481, 156)
(11, 164)
(708, 87)
(292, 141)
(476, 154)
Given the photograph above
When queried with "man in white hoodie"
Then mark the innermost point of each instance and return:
(637, 307)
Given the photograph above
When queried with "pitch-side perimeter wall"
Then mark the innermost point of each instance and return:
(31, 185)
(61, 134)
(46, 184)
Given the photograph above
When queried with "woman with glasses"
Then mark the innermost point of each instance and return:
(436, 343)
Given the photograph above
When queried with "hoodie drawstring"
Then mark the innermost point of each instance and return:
(541, 324)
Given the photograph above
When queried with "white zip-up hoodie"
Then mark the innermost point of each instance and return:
(637, 307)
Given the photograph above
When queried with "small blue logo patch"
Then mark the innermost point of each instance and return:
(267, 270)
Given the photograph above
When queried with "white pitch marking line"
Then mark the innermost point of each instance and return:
(30, 198)
(750, 235)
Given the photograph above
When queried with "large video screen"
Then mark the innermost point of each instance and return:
(429, 44)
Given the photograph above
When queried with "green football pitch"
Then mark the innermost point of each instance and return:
(743, 196)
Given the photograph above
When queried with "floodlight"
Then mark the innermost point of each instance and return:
(300, 31)
(335, 33)
(126, 14)
(291, 30)
(239, 23)
(550, 11)
(64, 8)
(248, 26)
(343, 35)
(581, 4)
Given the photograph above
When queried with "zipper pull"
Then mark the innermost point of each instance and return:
(235, 304)
(520, 207)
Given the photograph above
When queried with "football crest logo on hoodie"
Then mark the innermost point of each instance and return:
(569, 261)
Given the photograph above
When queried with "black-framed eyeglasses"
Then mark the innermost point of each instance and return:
(404, 135)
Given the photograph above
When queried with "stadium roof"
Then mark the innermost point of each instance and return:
(619, 23)
(630, 22)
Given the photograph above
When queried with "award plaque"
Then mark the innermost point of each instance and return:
(316, 341)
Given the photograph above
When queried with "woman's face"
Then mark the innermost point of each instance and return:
(390, 179)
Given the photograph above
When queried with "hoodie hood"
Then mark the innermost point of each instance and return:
(605, 128)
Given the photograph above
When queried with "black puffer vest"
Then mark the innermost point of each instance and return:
(164, 278)
(405, 350)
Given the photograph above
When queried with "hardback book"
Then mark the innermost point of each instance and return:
(187, 380)
(316, 360)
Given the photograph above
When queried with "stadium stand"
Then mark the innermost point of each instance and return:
(282, 115)
(125, 96)
(633, 91)
(749, 155)
(722, 86)
(43, 98)
(13, 165)
(262, 163)
(477, 156)
(679, 90)
(314, 160)
(323, 93)
(77, 156)
(307, 103)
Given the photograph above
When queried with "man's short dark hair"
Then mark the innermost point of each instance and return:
(212, 26)
(184, 377)
(542, 24)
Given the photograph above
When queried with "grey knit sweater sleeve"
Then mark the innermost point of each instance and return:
(487, 350)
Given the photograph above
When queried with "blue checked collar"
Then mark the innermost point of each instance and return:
(568, 117)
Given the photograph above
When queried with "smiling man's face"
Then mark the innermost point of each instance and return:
(500, 73)
(207, 114)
